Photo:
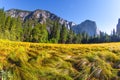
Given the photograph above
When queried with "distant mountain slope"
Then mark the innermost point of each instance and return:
(38, 15)
(43, 16)
(118, 27)
(87, 26)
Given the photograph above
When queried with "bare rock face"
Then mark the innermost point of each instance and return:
(42, 16)
(18, 13)
(88, 27)
(118, 27)
(38, 15)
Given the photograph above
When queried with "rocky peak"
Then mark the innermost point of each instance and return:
(38, 15)
(118, 27)
(88, 27)
(18, 13)
(41, 16)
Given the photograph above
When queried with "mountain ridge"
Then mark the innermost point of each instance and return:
(42, 16)
(88, 26)
(30, 26)
(38, 13)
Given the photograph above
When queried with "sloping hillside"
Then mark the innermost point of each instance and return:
(33, 61)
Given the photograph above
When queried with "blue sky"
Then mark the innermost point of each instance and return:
(104, 12)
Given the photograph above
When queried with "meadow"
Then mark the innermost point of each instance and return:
(43, 61)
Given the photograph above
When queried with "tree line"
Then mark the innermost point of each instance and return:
(31, 31)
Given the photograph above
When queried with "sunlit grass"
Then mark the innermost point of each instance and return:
(40, 61)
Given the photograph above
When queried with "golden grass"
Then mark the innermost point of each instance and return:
(40, 61)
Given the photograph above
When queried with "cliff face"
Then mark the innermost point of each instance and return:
(42, 16)
(88, 27)
(38, 15)
(118, 27)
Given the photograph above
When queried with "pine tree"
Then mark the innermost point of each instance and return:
(63, 34)
(19, 30)
(85, 37)
(39, 33)
(27, 29)
(7, 23)
(70, 37)
(13, 29)
(2, 18)
(2, 22)
(55, 33)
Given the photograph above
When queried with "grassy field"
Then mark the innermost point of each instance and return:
(33, 61)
